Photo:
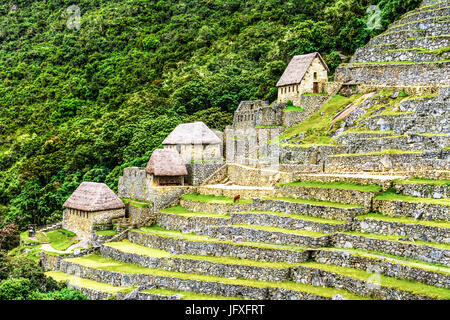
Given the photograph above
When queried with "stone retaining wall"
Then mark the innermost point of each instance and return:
(219, 248)
(416, 210)
(218, 208)
(199, 266)
(204, 287)
(382, 266)
(181, 223)
(198, 173)
(307, 209)
(255, 235)
(407, 250)
(324, 194)
(415, 231)
(322, 278)
(423, 190)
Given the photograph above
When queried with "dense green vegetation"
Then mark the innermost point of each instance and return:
(83, 104)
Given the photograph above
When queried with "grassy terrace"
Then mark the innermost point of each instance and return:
(316, 202)
(395, 238)
(313, 234)
(335, 185)
(390, 195)
(161, 232)
(189, 295)
(213, 199)
(96, 261)
(60, 239)
(106, 232)
(86, 283)
(393, 62)
(179, 210)
(405, 285)
(424, 181)
(136, 203)
(129, 247)
(297, 216)
(383, 152)
(406, 220)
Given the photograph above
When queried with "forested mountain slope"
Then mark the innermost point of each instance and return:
(81, 104)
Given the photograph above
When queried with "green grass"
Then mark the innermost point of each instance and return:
(314, 234)
(383, 152)
(86, 283)
(24, 238)
(424, 181)
(335, 185)
(136, 203)
(101, 263)
(297, 216)
(106, 232)
(189, 295)
(294, 108)
(316, 202)
(213, 199)
(179, 210)
(390, 282)
(61, 239)
(317, 125)
(390, 195)
(406, 220)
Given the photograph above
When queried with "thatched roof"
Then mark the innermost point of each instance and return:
(297, 68)
(192, 133)
(166, 162)
(92, 196)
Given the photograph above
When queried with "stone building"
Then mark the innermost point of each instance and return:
(195, 142)
(166, 167)
(91, 203)
(305, 74)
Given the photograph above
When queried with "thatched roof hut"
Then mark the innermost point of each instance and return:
(166, 162)
(192, 133)
(92, 196)
(297, 68)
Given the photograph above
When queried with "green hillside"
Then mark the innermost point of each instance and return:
(83, 104)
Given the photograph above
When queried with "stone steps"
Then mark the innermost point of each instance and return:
(203, 245)
(407, 142)
(396, 267)
(391, 245)
(113, 272)
(372, 54)
(217, 266)
(313, 208)
(398, 161)
(233, 190)
(415, 207)
(94, 290)
(247, 233)
(407, 123)
(348, 193)
(385, 181)
(423, 188)
(428, 231)
(289, 221)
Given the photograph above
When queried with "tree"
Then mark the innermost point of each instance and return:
(9, 237)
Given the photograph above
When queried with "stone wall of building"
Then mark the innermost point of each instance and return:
(198, 152)
(82, 222)
(198, 173)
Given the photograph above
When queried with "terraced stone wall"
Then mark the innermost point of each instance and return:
(198, 173)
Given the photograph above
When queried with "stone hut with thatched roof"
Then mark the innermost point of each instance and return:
(91, 203)
(166, 167)
(195, 142)
(304, 74)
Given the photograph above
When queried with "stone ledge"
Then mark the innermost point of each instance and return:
(219, 249)
(416, 210)
(388, 268)
(407, 250)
